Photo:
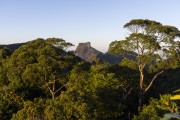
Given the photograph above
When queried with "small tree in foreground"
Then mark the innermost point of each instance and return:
(153, 43)
(165, 108)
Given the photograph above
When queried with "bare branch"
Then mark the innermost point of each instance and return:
(129, 91)
(49, 88)
(54, 81)
(153, 80)
(60, 88)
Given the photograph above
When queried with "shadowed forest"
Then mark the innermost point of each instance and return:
(41, 80)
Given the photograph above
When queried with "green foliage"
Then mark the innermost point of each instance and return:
(94, 93)
(44, 109)
(9, 104)
(129, 63)
(147, 39)
(55, 110)
(3, 77)
(40, 80)
(59, 43)
(4, 55)
(4, 52)
(31, 110)
(157, 109)
(33, 67)
(148, 113)
(153, 42)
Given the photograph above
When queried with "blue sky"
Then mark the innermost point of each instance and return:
(97, 21)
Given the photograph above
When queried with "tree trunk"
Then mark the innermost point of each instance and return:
(53, 96)
(140, 100)
(140, 88)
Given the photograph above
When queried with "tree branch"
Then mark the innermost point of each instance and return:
(49, 88)
(60, 88)
(127, 92)
(153, 80)
(53, 81)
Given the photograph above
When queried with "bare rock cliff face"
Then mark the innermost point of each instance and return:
(86, 52)
(89, 54)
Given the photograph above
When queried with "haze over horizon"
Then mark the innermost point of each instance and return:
(97, 21)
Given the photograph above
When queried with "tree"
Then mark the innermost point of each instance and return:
(9, 104)
(153, 42)
(4, 53)
(55, 110)
(94, 93)
(157, 109)
(39, 68)
(59, 43)
(59, 66)
(31, 110)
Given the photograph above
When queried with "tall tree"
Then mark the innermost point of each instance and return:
(153, 43)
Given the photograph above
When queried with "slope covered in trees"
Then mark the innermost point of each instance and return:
(41, 81)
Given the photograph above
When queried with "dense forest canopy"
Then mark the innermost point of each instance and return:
(40, 80)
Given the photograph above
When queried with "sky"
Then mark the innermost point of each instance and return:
(97, 21)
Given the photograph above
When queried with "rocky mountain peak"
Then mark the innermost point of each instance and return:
(86, 52)
(89, 54)
(86, 44)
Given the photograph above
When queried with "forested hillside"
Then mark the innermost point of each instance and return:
(40, 80)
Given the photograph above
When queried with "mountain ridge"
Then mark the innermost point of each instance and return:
(85, 51)
(90, 54)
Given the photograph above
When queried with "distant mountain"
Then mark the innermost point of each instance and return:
(13, 46)
(85, 52)
(89, 54)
